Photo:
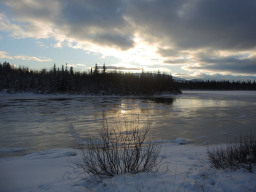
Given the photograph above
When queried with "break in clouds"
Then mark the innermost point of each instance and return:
(215, 36)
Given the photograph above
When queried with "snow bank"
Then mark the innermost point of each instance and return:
(184, 168)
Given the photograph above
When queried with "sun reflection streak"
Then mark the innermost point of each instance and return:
(123, 111)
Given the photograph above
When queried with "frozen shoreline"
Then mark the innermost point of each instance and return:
(185, 168)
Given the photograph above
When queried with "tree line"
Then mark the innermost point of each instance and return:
(95, 81)
(217, 85)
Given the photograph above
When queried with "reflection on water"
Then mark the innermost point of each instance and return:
(160, 100)
(37, 122)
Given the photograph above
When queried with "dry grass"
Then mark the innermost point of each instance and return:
(239, 154)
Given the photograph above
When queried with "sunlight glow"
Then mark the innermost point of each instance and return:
(123, 111)
(142, 55)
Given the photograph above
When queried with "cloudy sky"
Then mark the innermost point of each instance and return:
(210, 39)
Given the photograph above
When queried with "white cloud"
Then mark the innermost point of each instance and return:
(35, 30)
(41, 44)
(23, 57)
(4, 55)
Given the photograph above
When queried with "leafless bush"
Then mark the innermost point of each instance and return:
(120, 147)
(240, 154)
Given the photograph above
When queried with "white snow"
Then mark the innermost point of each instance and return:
(184, 168)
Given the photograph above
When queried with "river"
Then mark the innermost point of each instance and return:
(30, 122)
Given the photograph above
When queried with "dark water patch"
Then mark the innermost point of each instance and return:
(160, 100)
(8, 152)
(60, 99)
(23, 100)
(3, 105)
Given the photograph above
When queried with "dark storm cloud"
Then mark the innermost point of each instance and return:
(190, 24)
(168, 52)
(177, 56)
(102, 22)
(182, 24)
(225, 77)
(93, 12)
(46, 10)
(114, 39)
(96, 21)
(228, 64)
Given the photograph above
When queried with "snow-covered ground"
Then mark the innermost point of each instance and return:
(184, 168)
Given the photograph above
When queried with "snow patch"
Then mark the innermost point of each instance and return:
(184, 168)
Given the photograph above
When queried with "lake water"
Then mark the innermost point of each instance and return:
(37, 122)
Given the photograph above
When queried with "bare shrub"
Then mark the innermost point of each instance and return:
(120, 147)
(239, 154)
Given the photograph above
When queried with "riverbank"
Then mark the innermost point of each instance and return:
(184, 168)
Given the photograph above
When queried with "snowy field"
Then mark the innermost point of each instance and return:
(184, 168)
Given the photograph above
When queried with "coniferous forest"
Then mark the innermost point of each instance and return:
(97, 81)
(217, 85)
(102, 82)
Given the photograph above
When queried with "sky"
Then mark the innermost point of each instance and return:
(191, 39)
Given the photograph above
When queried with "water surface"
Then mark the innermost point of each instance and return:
(37, 122)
